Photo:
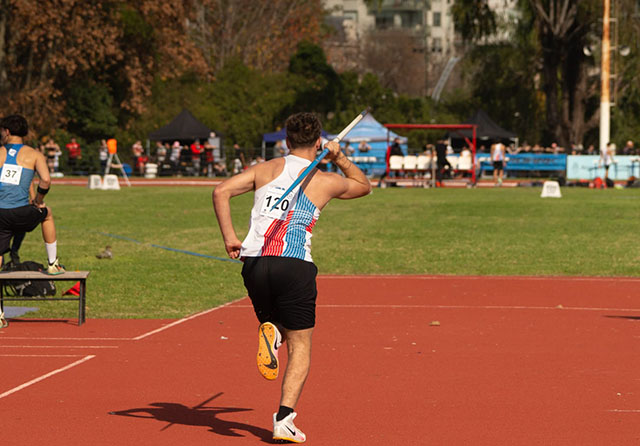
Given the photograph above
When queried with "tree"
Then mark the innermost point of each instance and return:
(47, 46)
(316, 82)
(474, 20)
(396, 56)
(563, 27)
(262, 34)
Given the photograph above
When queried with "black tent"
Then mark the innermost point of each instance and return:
(486, 130)
(184, 127)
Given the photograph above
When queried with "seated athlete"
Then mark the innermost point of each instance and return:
(19, 212)
(278, 270)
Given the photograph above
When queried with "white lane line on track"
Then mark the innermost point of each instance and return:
(63, 339)
(59, 346)
(470, 307)
(137, 338)
(624, 410)
(45, 376)
(410, 277)
(40, 356)
(184, 319)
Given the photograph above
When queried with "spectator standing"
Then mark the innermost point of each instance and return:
(138, 163)
(185, 159)
(392, 150)
(74, 153)
(238, 153)
(498, 157)
(442, 162)
(607, 159)
(629, 148)
(348, 150)
(52, 152)
(196, 152)
(363, 147)
(279, 149)
(103, 154)
(161, 153)
(176, 148)
(208, 159)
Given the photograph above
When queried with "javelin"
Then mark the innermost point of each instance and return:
(324, 153)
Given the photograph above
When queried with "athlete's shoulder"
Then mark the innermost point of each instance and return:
(267, 171)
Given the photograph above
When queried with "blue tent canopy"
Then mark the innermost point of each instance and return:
(370, 130)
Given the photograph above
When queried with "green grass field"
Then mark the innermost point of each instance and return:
(393, 231)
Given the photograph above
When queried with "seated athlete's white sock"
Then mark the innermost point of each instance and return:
(52, 251)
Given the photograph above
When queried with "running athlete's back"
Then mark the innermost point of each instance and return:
(318, 188)
(285, 230)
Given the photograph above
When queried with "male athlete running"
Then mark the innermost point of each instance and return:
(278, 271)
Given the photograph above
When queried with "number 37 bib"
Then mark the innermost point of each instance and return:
(11, 174)
(272, 196)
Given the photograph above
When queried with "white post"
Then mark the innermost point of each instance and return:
(605, 102)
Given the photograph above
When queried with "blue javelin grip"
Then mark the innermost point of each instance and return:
(319, 158)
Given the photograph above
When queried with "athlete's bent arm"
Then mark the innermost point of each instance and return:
(44, 181)
(355, 184)
(222, 194)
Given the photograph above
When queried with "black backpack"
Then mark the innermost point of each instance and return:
(27, 288)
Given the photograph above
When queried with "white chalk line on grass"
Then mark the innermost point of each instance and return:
(468, 307)
(45, 376)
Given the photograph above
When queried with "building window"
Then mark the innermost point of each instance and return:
(351, 15)
(436, 45)
(437, 19)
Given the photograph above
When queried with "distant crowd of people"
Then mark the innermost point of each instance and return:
(576, 149)
(203, 159)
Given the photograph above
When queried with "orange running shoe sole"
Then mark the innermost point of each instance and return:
(267, 357)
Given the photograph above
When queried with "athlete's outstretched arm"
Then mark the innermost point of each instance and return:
(222, 194)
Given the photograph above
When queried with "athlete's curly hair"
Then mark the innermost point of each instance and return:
(303, 130)
(16, 124)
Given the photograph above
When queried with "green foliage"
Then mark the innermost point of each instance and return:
(504, 85)
(473, 19)
(246, 103)
(137, 31)
(315, 81)
(90, 111)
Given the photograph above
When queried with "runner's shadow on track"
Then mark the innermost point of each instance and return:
(632, 318)
(175, 413)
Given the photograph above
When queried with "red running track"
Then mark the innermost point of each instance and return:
(515, 360)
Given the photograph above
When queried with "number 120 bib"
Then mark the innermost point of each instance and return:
(272, 196)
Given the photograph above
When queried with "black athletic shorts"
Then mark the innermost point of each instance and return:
(22, 219)
(498, 165)
(282, 290)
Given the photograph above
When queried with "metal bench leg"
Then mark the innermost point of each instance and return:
(3, 321)
(81, 303)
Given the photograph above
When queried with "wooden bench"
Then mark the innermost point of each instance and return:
(76, 276)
